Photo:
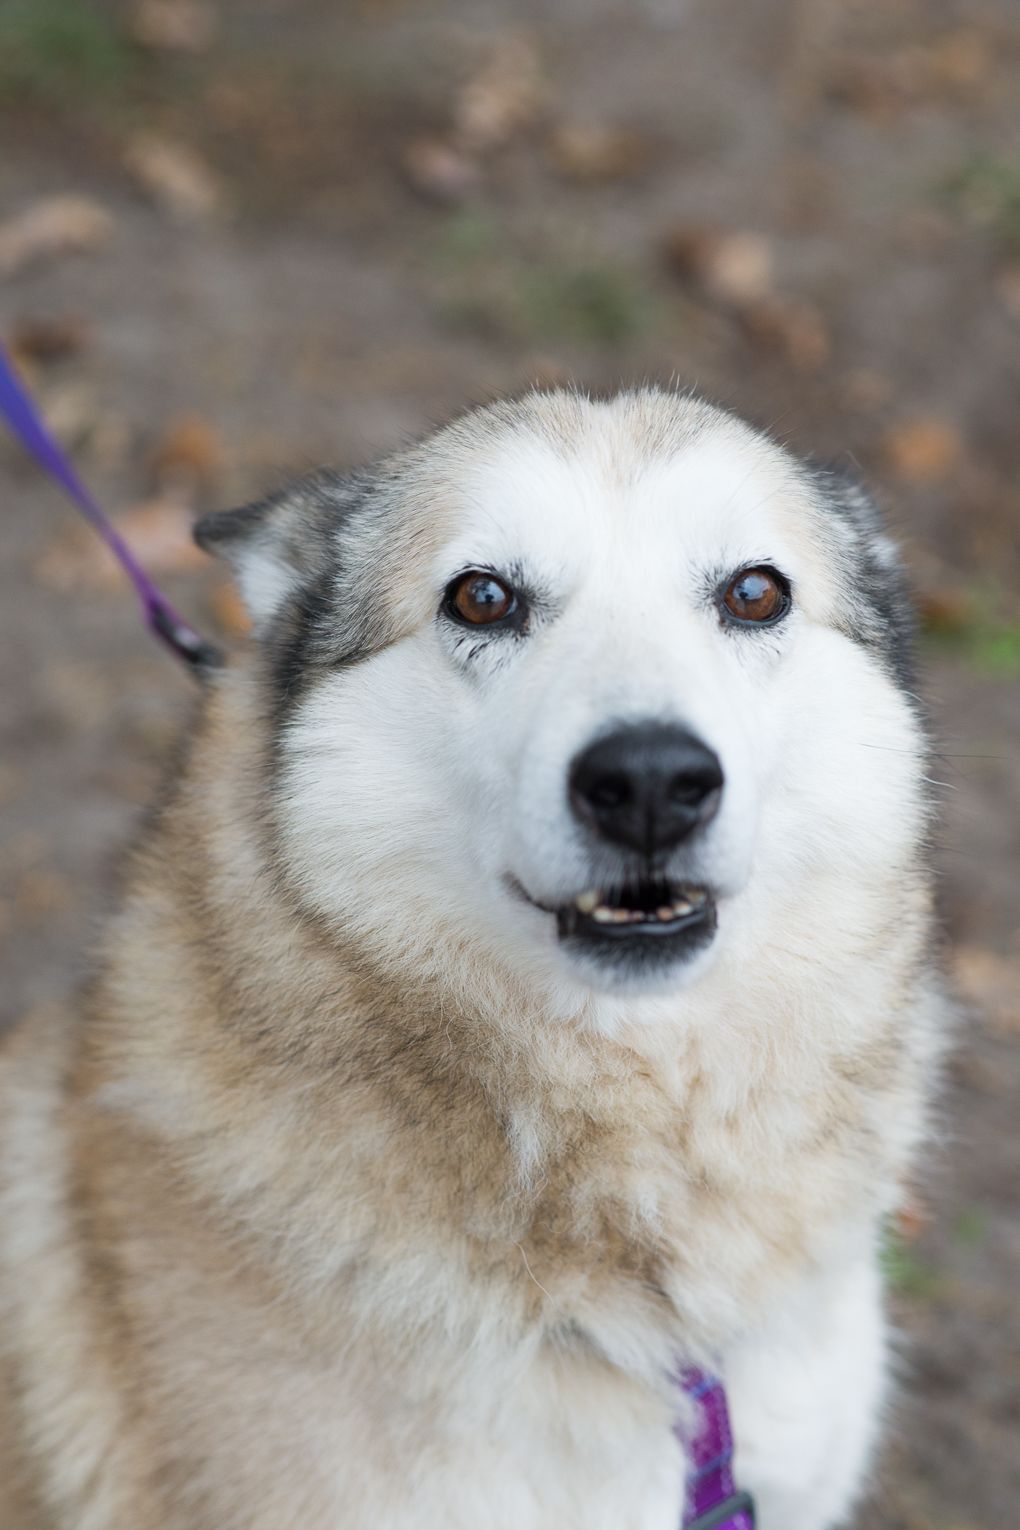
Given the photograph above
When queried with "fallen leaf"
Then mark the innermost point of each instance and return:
(734, 269)
(45, 338)
(41, 892)
(588, 152)
(911, 1219)
(54, 226)
(71, 411)
(501, 99)
(175, 177)
(991, 984)
(188, 453)
(158, 532)
(946, 611)
(922, 451)
(172, 26)
(1008, 289)
(439, 170)
(794, 327)
(960, 60)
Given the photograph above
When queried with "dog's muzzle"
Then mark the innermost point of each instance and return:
(641, 794)
(647, 787)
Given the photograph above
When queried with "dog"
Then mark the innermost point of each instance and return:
(524, 986)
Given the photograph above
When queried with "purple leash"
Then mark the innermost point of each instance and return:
(713, 1502)
(27, 426)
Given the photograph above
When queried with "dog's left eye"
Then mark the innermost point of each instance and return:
(480, 599)
(756, 596)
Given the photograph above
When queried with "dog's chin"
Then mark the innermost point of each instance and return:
(644, 937)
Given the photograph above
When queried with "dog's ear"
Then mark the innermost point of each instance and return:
(279, 544)
(883, 593)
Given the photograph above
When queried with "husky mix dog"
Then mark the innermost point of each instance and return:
(524, 987)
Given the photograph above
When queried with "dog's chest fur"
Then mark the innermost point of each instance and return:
(323, 1219)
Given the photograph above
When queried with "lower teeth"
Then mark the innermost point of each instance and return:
(602, 913)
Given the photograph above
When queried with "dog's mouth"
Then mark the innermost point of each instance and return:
(648, 920)
(650, 909)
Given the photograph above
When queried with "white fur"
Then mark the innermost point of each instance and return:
(751, 1127)
(413, 786)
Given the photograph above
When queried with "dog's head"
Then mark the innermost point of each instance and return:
(585, 689)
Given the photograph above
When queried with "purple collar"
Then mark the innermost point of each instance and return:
(713, 1502)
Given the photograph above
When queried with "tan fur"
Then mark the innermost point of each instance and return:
(247, 1113)
(274, 1214)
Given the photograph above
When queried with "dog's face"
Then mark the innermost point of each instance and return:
(589, 690)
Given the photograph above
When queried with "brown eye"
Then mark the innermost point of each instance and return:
(480, 599)
(757, 595)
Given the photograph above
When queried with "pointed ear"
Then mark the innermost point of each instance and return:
(279, 544)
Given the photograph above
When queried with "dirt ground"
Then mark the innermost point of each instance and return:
(303, 231)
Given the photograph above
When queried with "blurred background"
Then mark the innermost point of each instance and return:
(241, 239)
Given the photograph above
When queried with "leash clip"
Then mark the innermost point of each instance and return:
(736, 1513)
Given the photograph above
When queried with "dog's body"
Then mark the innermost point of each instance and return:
(391, 1174)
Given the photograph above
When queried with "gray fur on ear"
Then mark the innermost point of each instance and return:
(277, 544)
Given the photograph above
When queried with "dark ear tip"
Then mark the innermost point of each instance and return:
(221, 527)
(206, 533)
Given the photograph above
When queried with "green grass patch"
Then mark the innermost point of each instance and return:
(985, 191)
(592, 302)
(970, 1228)
(59, 50)
(487, 282)
(906, 1273)
(980, 632)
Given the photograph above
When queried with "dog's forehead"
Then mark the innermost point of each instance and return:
(562, 492)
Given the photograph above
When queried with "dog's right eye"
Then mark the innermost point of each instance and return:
(479, 599)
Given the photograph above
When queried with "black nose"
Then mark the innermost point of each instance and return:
(647, 786)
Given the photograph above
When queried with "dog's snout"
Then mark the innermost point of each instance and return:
(647, 786)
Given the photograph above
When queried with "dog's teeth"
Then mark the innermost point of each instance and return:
(602, 914)
(587, 902)
(621, 915)
(681, 906)
(665, 913)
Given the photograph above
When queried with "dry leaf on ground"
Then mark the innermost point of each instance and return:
(590, 152)
(439, 170)
(53, 226)
(71, 410)
(794, 327)
(911, 1218)
(158, 532)
(40, 892)
(945, 610)
(922, 451)
(188, 453)
(734, 268)
(1008, 289)
(991, 984)
(501, 99)
(175, 177)
(45, 337)
(172, 26)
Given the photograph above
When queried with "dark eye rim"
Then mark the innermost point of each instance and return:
(513, 618)
(749, 623)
